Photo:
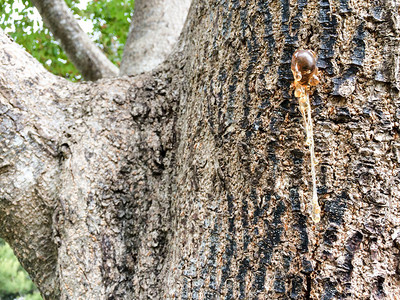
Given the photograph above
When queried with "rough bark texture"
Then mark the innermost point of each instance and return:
(155, 28)
(193, 182)
(85, 55)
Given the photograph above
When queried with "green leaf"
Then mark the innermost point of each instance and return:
(14, 281)
(110, 18)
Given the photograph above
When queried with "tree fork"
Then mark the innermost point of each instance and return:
(83, 183)
(86, 56)
(192, 182)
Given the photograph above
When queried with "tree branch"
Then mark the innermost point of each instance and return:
(85, 55)
(65, 212)
(30, 126)
(155, 28)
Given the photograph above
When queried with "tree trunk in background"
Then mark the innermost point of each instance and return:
(193, 182)
(154, 31)
(85, 55)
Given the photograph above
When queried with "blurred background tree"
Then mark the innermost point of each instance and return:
(107, 23)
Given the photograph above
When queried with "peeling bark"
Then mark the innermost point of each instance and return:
(193, 181)
(155, 29)
(84, 54)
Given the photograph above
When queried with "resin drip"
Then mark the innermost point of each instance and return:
(305, 72)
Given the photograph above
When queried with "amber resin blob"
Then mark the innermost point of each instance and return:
(304, 67)
(305, 73)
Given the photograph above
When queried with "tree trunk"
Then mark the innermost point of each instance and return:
(193, 181)
(154, 31)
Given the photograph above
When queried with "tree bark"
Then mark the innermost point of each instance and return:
(84, 54)
(155, 29)
(193, 181)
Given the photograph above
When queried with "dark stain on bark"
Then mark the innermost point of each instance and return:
(266, 199)
(346, 268)
(352, 245)
(226, 19)
(342, 115)
(323, 189)
(307, 267)
(330, 291)
(275, 122)
(301, 227)
(286, 261)
(266, 95)
(231, 243)
(285, 5)
(330, 235)
(297, 157)
(232, 92)
(334, 211)
(272, 157)
(307, 294)
(267, 245)
(185, 290)
(377, 12)
(259, 208)
(108, 259)
(317, 103)
(297, 287)
(277, 223)
(197, 285)
(241, 277)
(245, 224)
(379, 288)
(253, 50)
(296, 20)
(268, 31)
(279, 283)
(243, 18)
(294, 198)
(235, 4)
(229, 295)
(359, 46)
(344, 6)
(211, 265)
(328, 22)
(284, 72)
(357, 60)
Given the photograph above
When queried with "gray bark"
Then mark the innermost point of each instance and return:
(193, 182)
(84, 54)
(155, 29)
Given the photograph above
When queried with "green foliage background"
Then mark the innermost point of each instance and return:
(14, 281)
(110, 20)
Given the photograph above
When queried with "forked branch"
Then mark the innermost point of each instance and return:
(85, 55)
